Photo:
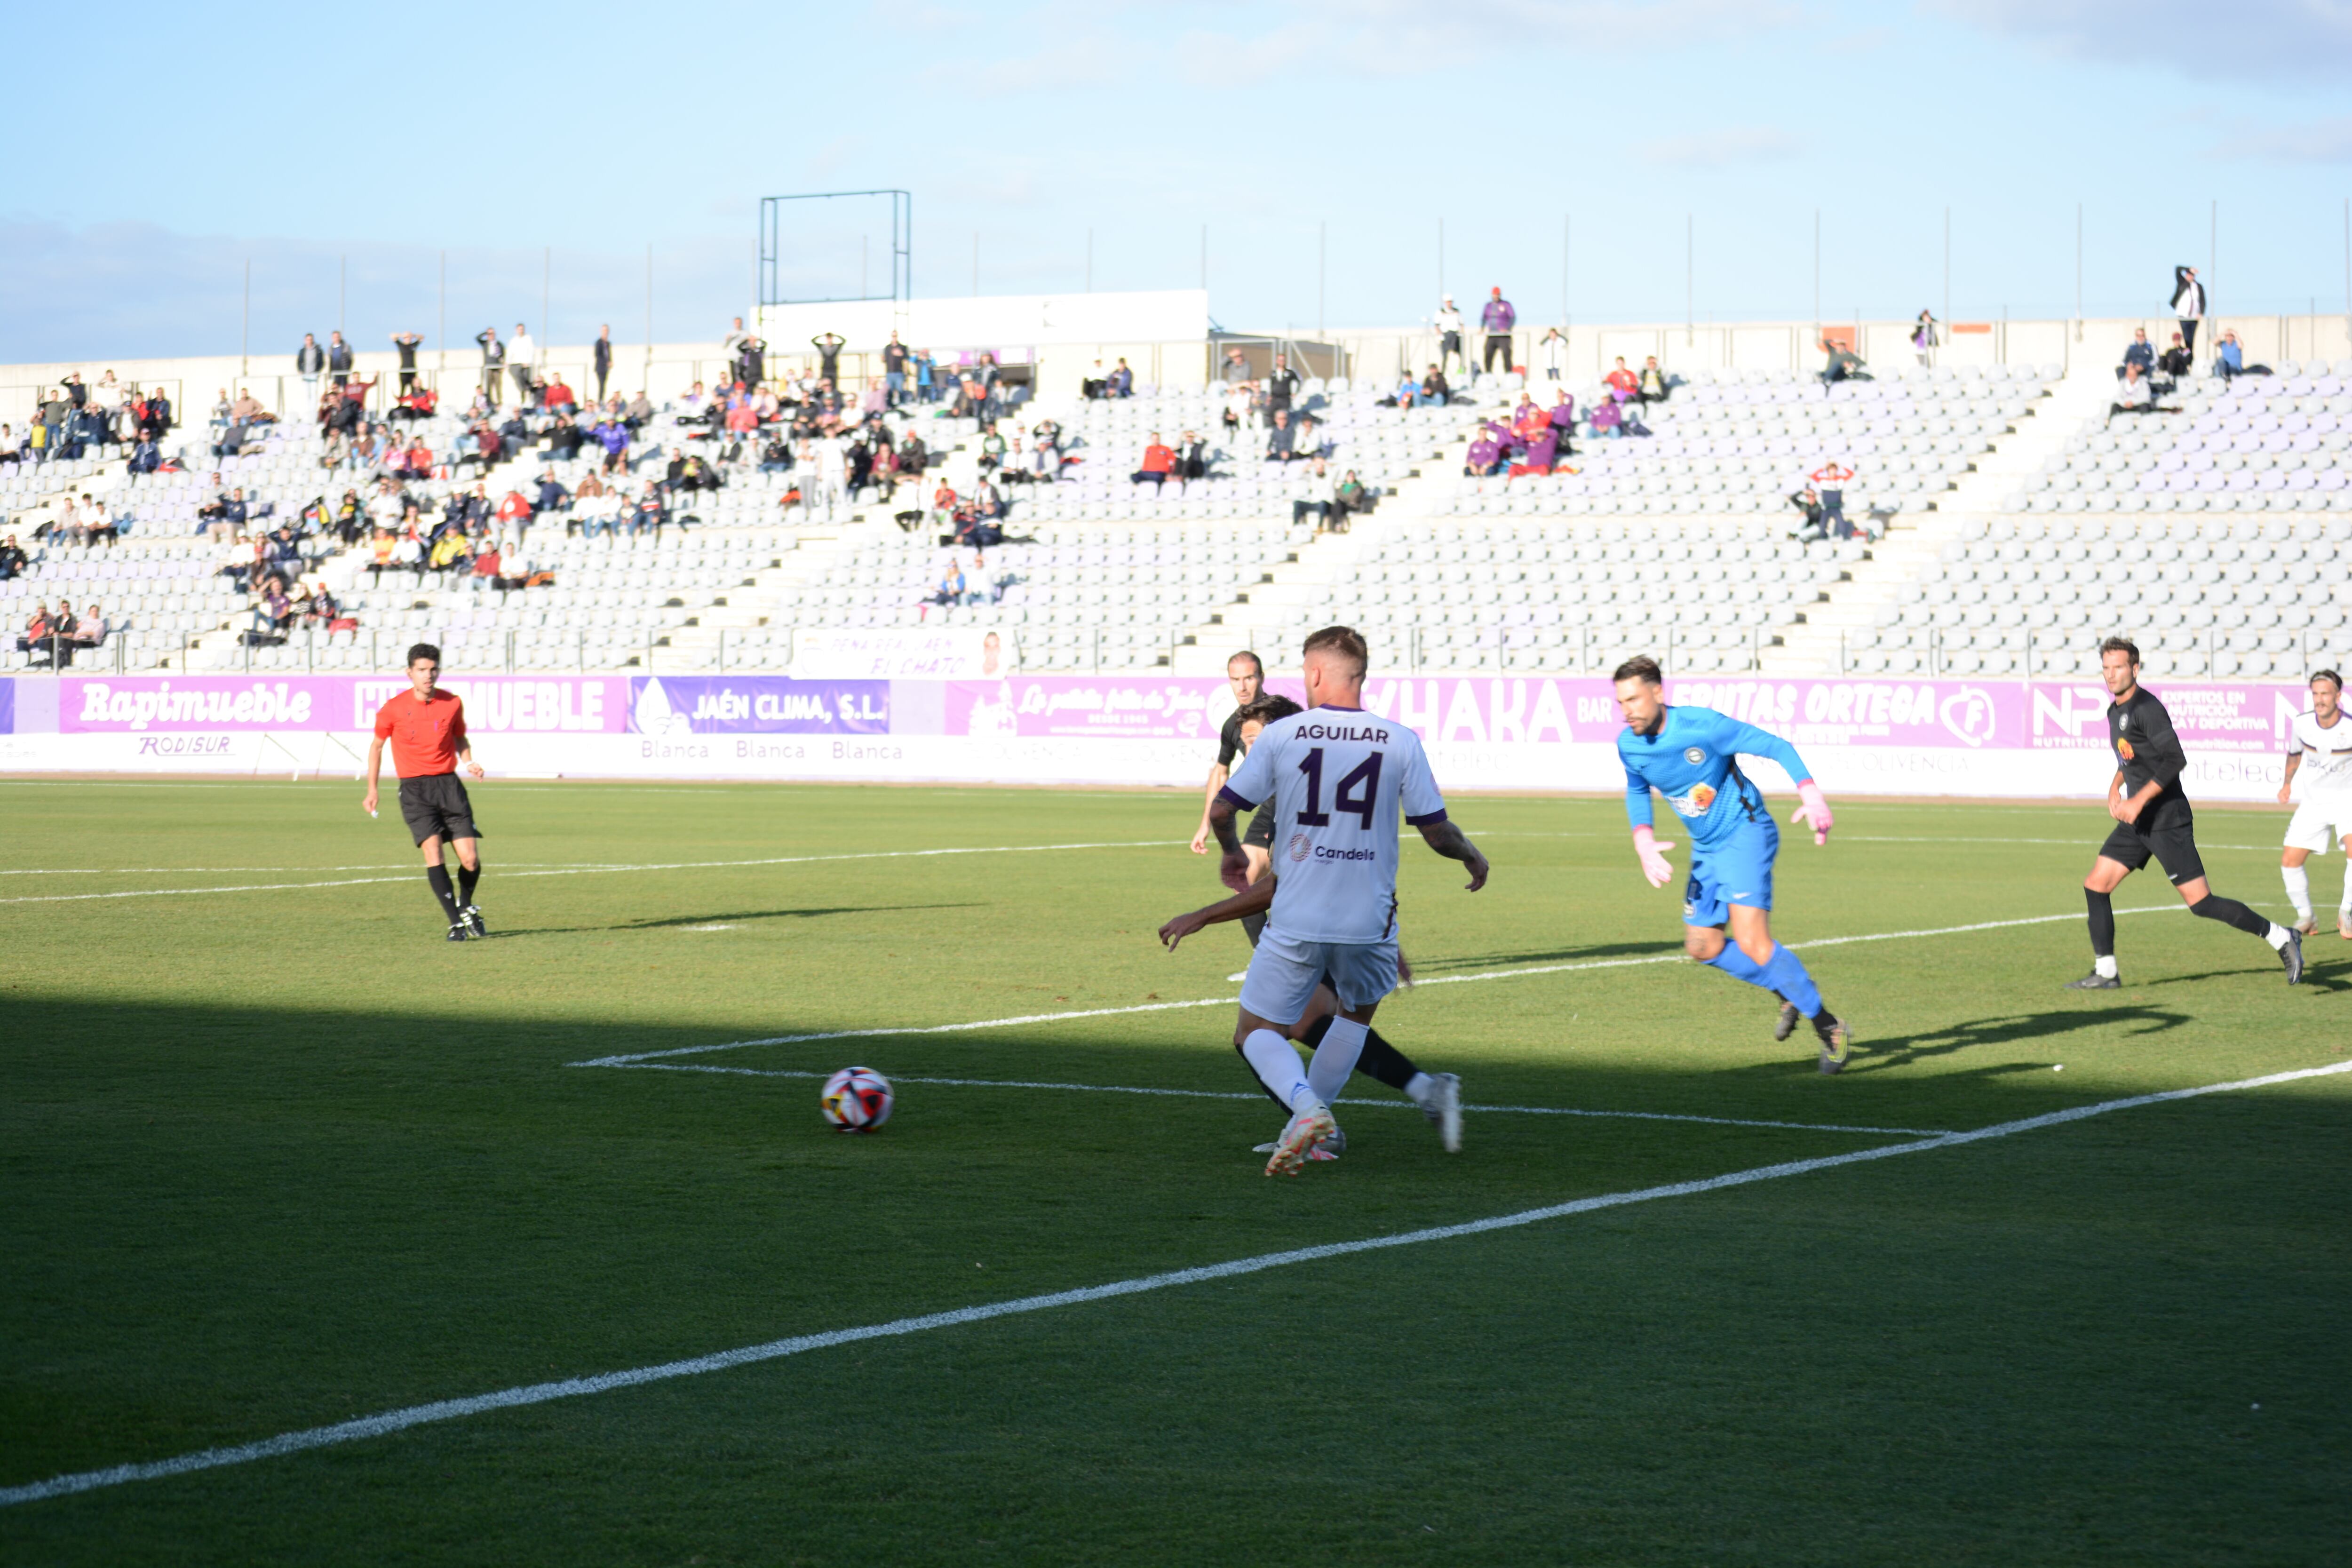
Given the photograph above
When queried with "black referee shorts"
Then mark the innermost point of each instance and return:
(1261, 828)
(436, 803)
(2166, 830)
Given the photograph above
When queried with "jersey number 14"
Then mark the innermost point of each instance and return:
(1356, 793)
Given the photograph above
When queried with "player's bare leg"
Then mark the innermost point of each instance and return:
(1749, 953)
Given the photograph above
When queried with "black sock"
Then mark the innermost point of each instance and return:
(439, 877)
(1251, 926)
(467, 877)
(1380, 1061)
(2103, 924)
(2228, 912)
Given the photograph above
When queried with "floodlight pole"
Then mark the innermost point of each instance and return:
(244, 331)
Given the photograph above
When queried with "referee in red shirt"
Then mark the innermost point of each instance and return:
(426, 727)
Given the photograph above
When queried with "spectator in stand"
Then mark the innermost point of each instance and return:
(1844, 364)
(752, 361)
(1606, 418)
(38, 629)
(1191, 456)
(1320, 483)
(146, 457)
(514, 514)
(1449, 328)
(1236, 368)
(876, 401)
(559, 397)
(1349, 497)
(1281, 442)
(552, 496)
(638, 414)
(1655, 384)
(927, 376)
(309, 359)
(1496, 320)
(613, 437)
(2188, 303)
(1281, 384)
(488, 565)
(1158, 462)
(522, 363)
(1922, 339)
(602, 358)
(1829, 483)
(2229, 359)
(1622, 384)
(828, 346)
(1553, 347)
(494, 359)
(1407, 393)
(408, 344)
(2133, 393)
(13, 559)
(951, 589)
(2175, 363)
(338, 360)
(2139, 352)
(89, 634)
(1811, 527)
(1433, 388)
(1122, 382)
(1562, 414)
(894, 370)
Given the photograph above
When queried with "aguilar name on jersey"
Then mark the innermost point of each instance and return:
(2327, 755)
(1338, 778)
(1693, 761)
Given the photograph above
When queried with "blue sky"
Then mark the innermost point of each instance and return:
(596, 130)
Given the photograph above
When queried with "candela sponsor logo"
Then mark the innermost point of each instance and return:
(259, 703)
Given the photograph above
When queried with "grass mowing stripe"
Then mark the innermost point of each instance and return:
(391, 1421)
(598, 870)
(1352, 1104)
(875, 1033)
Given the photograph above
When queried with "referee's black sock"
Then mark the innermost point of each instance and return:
(1380, 1060)
(467, 877)
(2103, 923)
(439, 877)
(2228, 912)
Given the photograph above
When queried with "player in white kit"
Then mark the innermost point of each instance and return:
(2320, 753)
(1338, 778)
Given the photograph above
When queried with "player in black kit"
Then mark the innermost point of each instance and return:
(2152, 818)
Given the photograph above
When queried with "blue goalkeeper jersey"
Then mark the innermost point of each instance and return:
(1693, 761)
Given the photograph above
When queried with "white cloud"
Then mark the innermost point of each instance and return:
(2315, 141)
(1722, 149)
(2255, 40)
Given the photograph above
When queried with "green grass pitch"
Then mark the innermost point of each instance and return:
(273, 1160)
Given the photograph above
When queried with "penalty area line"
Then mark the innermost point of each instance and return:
(1351, 1104)
(391, 1421)
(886, 1031)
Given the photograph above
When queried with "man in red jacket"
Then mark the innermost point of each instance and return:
(1158, 460)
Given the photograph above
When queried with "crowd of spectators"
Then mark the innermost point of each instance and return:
(76, 420)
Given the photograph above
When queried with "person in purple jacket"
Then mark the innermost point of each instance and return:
(1497, 319)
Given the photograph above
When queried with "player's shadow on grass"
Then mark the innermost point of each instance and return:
(1549, 956)
(2336, 976)
(734, 918)
(1905, 1050)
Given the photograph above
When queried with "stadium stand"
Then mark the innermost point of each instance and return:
(2013, 517)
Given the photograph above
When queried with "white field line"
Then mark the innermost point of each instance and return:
(1845, 837)
(894, 1030)
(598, 870)
(402, 1419)
(1352, 1104)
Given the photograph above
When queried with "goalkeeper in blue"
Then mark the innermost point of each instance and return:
(1691, 756)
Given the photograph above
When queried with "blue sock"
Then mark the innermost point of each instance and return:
(1786, 974)
(1739, 966)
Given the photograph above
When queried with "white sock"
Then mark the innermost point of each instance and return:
(2344, 906)
(2298, 890)
(1417, 1087)
(1335, 1058)
(2103, 966)
(2276, 936)
(1275, 1062)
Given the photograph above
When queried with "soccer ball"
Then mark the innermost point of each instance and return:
(857, 1099)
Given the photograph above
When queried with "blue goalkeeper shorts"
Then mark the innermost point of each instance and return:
(1737, 871)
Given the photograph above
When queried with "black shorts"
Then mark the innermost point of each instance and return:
(2166, 830)
(436, 803)
(1261, 828)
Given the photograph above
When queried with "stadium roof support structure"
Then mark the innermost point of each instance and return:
(902, 241)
